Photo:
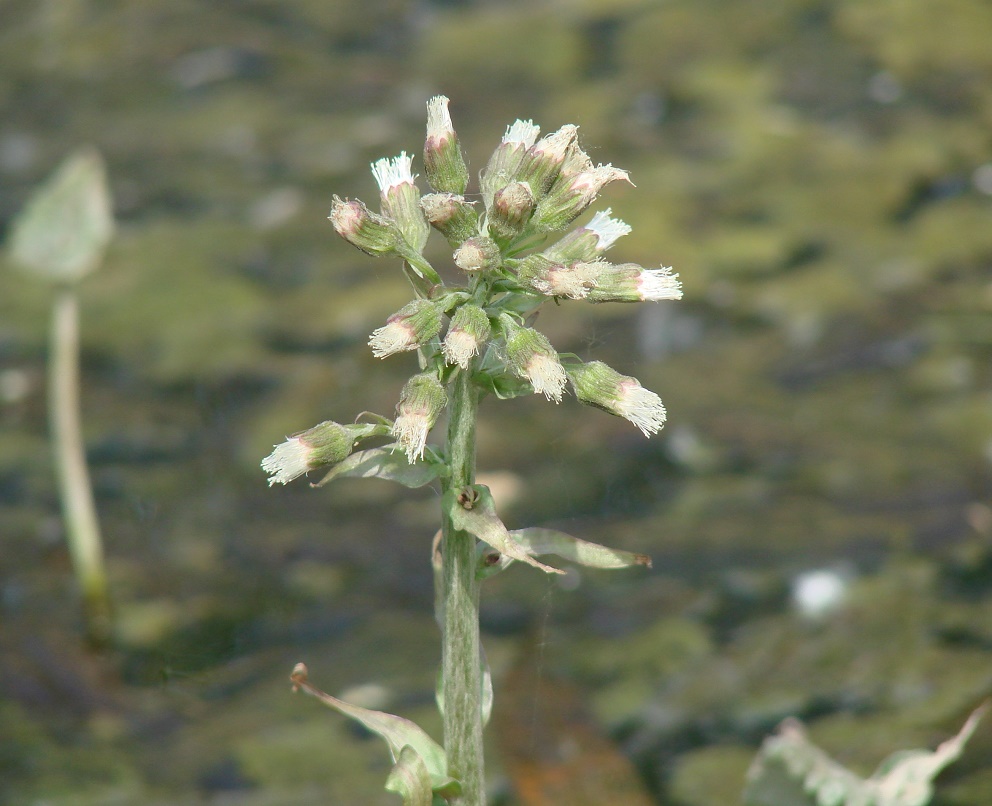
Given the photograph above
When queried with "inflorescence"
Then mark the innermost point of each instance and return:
(529, 188)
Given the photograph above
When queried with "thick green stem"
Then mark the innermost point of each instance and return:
(461, 664)
(79, 511)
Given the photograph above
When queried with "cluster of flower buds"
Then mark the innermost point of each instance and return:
(529, 188)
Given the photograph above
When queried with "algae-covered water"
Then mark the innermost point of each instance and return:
(819, 507)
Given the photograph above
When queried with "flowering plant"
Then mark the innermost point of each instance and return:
(530, 188)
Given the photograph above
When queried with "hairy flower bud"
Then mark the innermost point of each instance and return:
(324, 444)
(532, 357)
(628, 282)
(421, 402)
(401, 199)
(599, 385)
(359, 226)
(572, 281)
(469, 330)
(478, 254)
(451, 215)
(590, 241)
(543, 161)
(505, 160)
(410, 327)
(443, 160)
(511, 210)
(572, 194)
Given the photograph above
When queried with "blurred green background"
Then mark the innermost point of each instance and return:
(820, 175)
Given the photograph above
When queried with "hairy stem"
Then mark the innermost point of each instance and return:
(461, 665)
(79, 511)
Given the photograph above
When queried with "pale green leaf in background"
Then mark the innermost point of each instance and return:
(791, 771)
(66, 225)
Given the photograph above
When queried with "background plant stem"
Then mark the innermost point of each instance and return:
(79, 511)
(461, 665)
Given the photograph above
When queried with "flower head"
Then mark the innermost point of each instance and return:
(521, 133)
(607, 230)
(443, 160)
(479, 253)
(324, 444)
(451, 215)
(392, 173)
(439, 119)
(545, 374)
(641, 406)
(469, 330)
(658, 284)
(531, 356)
(401, 199)
(511, 210)
(599, 385)
(505, 160)
(590, 241)
(370, 232)
(572, 194)
(410, 327)
(543, 161)
(628, 282)
(573, 281)
(421, 402)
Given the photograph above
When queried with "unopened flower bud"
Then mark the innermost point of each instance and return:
(506, 159)
(571, 194)
(544, 160)
(443, 160)
(628, 282)
(599, 385)
(401, 199)
(421, 402)
(469, 330)
(324, 444)
(359, 226)
(573, 281)
(588, 242)
(478, 254)
(452, 216)
(511, 210)
(532, 357)
(410, 327)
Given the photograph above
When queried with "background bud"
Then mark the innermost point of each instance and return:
(543, 161)
(505, 160)
(359, 226)
(456, 219)
(511, 210)
(478, 254)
